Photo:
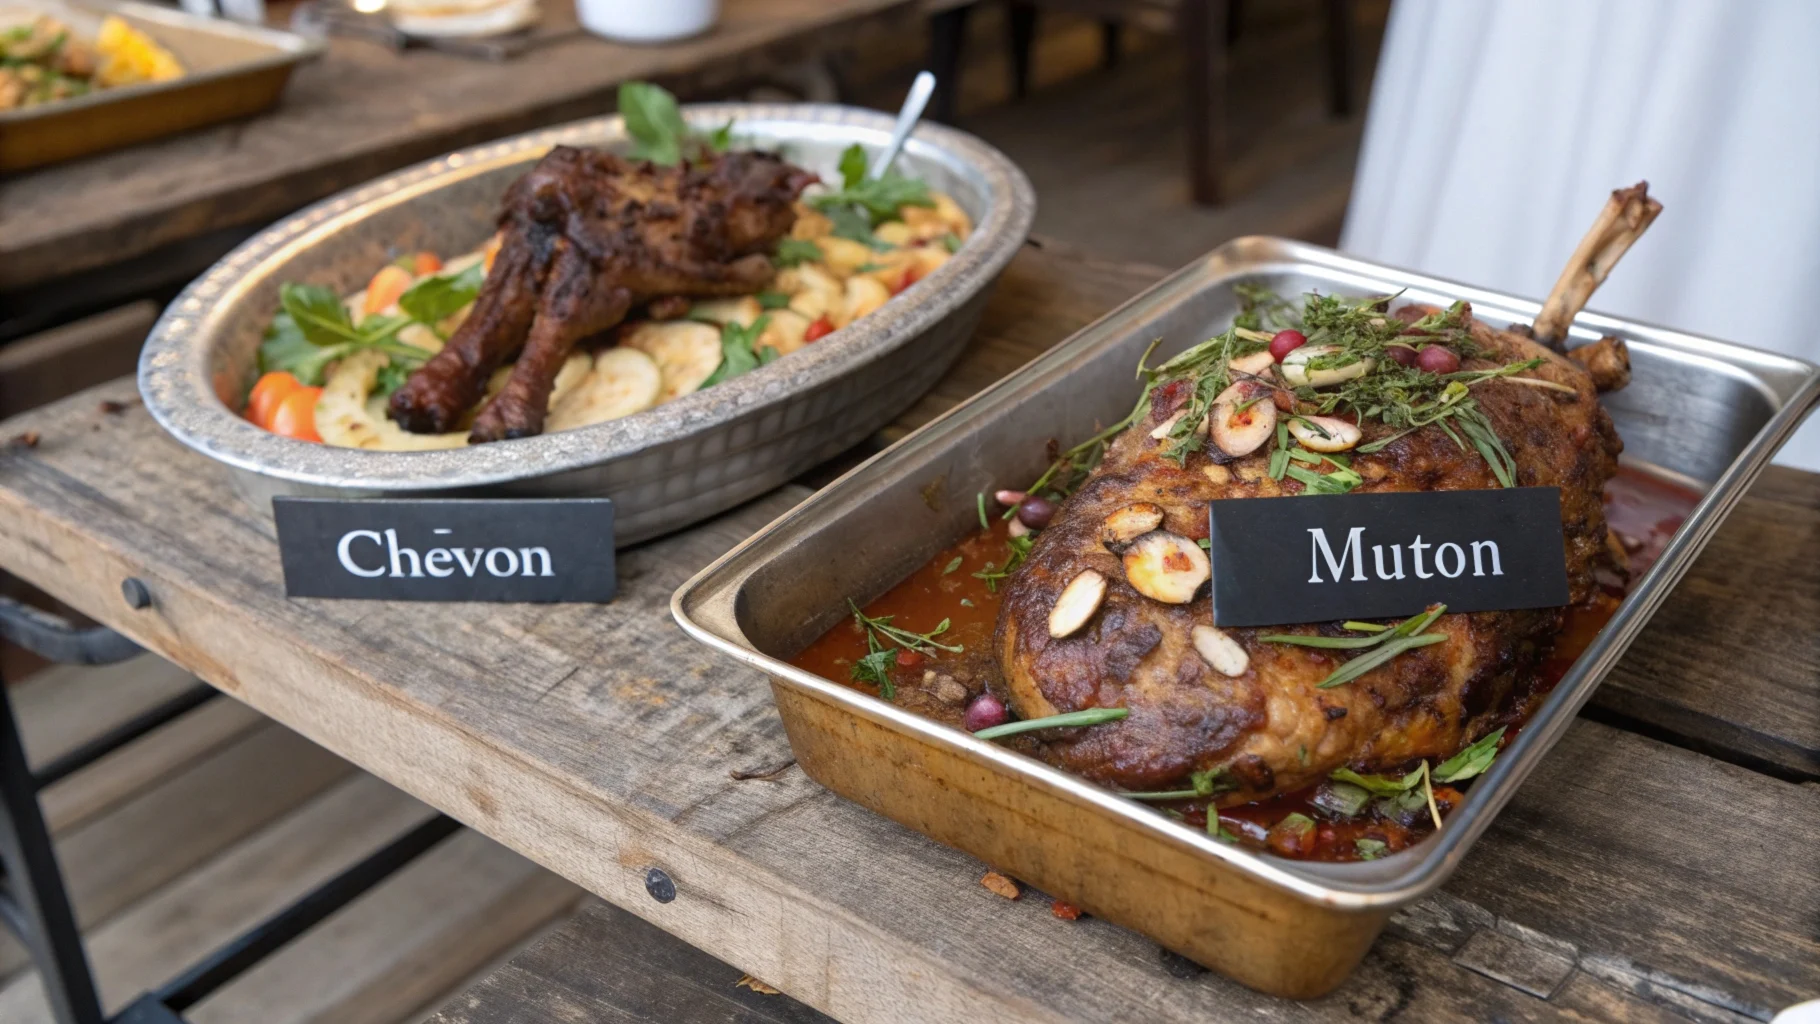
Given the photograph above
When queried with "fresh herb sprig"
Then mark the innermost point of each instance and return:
(313, 329)
(792, 251)
(1091, 716)
(882, 643)
(1018, 549)
(864, 202)
(1406, 636)
(1206, 783)
(740, 352)
(1400, 790)
(659, 133)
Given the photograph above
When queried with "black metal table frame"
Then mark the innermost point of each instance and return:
(34, 901)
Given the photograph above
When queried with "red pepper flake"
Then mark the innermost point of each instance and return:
(1001, 885)
(1065, 911)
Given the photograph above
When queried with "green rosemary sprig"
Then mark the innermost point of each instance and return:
(1091, 716)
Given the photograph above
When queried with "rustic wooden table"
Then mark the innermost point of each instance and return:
(1660, 865)
(363, 110)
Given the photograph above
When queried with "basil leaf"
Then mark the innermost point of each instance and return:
(317, 313)
(1471, 761)
(738, 354)
(654, 121)
(792, 251)
(435, 299)
(852, 166)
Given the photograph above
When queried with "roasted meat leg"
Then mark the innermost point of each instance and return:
(586, 237)
(1267, 726)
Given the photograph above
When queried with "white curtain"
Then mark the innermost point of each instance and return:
(1497, 128)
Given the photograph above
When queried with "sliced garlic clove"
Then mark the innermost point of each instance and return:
(1167, 568)
(1129, 523)
(1219, 650)
(1297, 373)
(1162, 429)
(1254, 364)
(1324, 433)
(1240, 428)
(1077, 603)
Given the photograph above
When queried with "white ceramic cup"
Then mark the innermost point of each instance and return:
(647, 21)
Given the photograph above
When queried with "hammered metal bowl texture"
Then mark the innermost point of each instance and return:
(666, 467)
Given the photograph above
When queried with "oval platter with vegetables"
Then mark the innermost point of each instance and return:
(614, 284)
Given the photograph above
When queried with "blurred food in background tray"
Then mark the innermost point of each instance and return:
(44, 59)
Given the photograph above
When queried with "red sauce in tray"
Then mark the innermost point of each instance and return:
(1644, 510)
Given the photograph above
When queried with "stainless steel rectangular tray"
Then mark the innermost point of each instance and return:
(1705, 412)
(230, 70)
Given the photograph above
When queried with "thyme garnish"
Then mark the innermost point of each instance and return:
(1019, 549)
(1408, 627)
(1205, 784)
(882, 642)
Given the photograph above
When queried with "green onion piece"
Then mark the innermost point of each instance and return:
(1162, 794)
(1091, 716)
(952, 565)
(1369, 849)
(984, 525)
(1413, 624)
(1363, 627)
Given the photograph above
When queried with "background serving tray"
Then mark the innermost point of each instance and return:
(229, 70)
(1706, 413)
(665, 467)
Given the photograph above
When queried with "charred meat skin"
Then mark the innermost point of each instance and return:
(585, 237)
(1270, 728)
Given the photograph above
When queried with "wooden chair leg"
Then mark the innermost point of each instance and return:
(1111, 36)
(1201, 25)
(1022, 19)
(1339, 57)
(947, 41)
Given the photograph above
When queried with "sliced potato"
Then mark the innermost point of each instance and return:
(346, 418)
(895, 232)
(574, 371)
(811, 224)
(784, 331)
(621, 382)
(863, 295)
(687, 352)
(734, 309)
(844, 256)
(813, 291)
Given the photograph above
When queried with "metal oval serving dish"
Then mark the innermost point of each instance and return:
(665, 467)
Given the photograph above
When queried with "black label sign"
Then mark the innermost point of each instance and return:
(447, 549)
(1321, 558)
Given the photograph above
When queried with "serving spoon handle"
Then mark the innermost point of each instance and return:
(907, 116)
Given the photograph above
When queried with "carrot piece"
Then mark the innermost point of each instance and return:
(426, 263)
(295, 417)
(385, 288)
(267, 392)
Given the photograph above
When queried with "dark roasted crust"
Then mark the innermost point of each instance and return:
(1270, 728)
(586, 236)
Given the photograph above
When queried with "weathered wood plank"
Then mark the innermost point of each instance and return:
(1731, 662)
(363, 110)
(407, 942)
(597, 741)
(159, 936)
(175, 824)
(63, 361)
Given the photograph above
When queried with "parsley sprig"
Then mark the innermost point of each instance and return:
(740, 352)
(313, 329)
(659, 133)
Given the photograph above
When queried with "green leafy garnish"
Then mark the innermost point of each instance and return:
(435, 299)
(1091, 716)
(792, 251)
(1341, 799)
(953, 564)
(1473, 760)
(951, 242)
(773, 300)
(1366, 662)
(659, 133)
(1400, 793)
(1408, 627)
(875, 668)
(1389, 644)
(1019, 549)
(981, 498)
(391, 377)
(1206, 784)
(863, 203)
(1369, 849)
(739, 351)
(313, 329)
(882, 642)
